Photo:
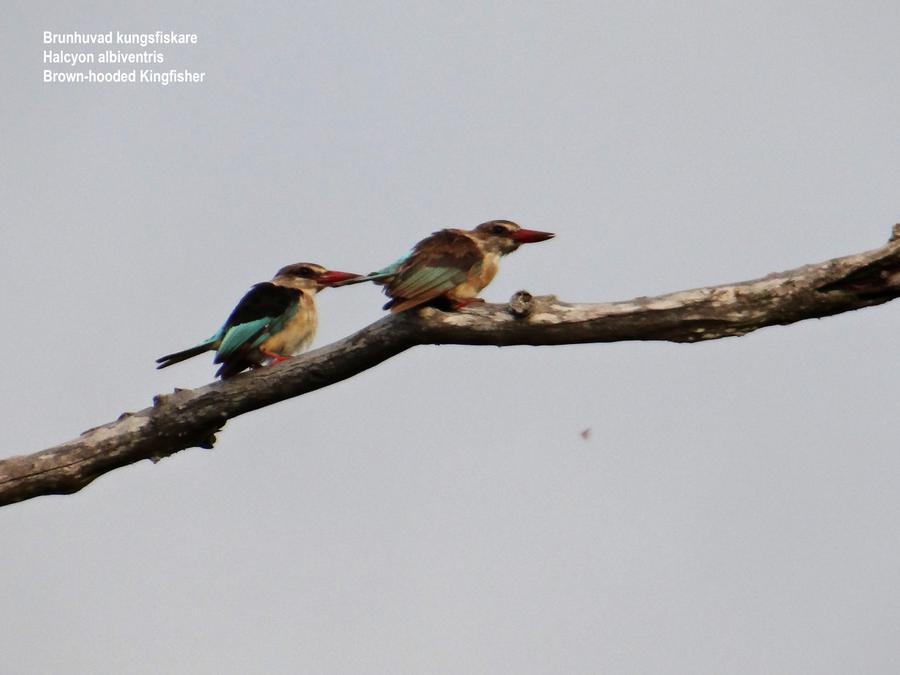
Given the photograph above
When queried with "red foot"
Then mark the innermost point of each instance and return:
(276, 358)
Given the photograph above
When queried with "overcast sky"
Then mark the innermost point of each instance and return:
(734, 509)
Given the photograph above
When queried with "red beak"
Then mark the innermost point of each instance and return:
(531, 236)
(332, 277)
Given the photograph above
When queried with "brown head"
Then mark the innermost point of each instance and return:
(505, 236)
(310, 276)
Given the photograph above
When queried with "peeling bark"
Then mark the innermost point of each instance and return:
(192, 417)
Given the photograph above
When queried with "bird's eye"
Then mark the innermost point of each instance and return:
(305, 272)
(498, 229)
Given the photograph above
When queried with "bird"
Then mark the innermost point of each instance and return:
(450, 266)
(274, 320)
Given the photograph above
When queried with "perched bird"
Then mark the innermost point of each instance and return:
(273, 321)
(451, 265)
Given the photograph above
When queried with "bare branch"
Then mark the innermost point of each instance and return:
(189, 418)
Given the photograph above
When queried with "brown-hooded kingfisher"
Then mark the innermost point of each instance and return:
(274, 320)
(451, 265)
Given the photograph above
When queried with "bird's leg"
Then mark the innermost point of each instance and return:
(276, 358)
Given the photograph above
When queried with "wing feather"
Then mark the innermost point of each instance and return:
(262, 312)
(436, 265)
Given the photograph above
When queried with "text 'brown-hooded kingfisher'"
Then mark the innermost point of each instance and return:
(451, 265)
(274, 320)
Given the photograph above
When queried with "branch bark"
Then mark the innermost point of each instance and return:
(192, 417)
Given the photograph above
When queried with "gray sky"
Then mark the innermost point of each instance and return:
(734, 509)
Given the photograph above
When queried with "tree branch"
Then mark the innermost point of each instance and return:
(192, 417)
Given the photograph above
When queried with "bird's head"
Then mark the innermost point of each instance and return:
(310, 276)
(505, 236)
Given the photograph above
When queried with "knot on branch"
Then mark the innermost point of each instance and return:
(521, 304)
(163, 399)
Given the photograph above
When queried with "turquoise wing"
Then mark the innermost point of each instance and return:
(423, 282)
(254, 333)
(261, 313)
(243, 335)
(392, 269)
(436, 265)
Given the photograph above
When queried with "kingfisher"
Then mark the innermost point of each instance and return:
(451, 265)
(274, 320)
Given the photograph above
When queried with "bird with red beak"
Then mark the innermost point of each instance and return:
(451, 267)
(274, 320)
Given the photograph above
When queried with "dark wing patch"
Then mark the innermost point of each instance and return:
(264, 300)
(259, 311)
